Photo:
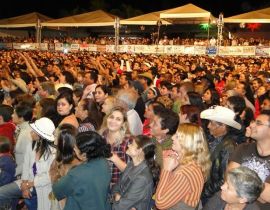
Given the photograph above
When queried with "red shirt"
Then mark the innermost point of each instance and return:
(8, 129)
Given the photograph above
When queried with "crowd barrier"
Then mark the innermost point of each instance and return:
(145, 49)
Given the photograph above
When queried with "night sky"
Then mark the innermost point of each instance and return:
(124, 8)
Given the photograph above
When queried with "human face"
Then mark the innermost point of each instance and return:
(115, 121)
(266, 104)
(150, 94)
(100, 96)
(63, 107)
(176, 146)
(149, 112)
(133, 150)
(214, 128)
(80, 112)
(123, 81)
(240, 89)
(255, 85)
(107, 106)
(156, 129)
(260, 128)
(37, 110)
(229, 78)
(261, 91)
(228, 193)
(174, 93)
(207, 96)
(164, 91)
(16, 119)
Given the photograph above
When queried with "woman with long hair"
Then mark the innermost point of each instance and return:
(185, 171)
(87, 185)
(211, 97)
(190, 114)
(115, 131)
(89, 115)
(137, 183)
(65, 108)
(36, 182)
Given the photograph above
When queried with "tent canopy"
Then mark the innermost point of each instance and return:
(95, 18)
(187, 14)
(146, 19)
(257, 16)
(27, 20)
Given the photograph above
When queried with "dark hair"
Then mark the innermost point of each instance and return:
(49, 87)
(149, 150)
(215, 99)
(166, 84)
(196, 99)
(94, 115)
(69, 77)
(238, 103)
(24, 111)
(169, 119)
(65, 143)
(25, 98)
(6, 112)
(48, 109)
(93, 145)
(192, 112)
(69, 97)
(5, 145)
(2, 96)
(249, 93)
(64, 90)
(93, 76)
(105, 89)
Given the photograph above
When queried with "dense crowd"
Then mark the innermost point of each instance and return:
(164, 40)
(133, 132)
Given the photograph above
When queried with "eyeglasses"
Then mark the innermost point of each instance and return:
(259, 123)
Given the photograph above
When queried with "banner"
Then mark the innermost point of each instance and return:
(237, 50)
(211, 51)
(199, 50)
(84, 47)
(5, 45)
(262, 51)
(92, 48)
(59, 47)
(43, 46)
(25, 46)
(74, 47)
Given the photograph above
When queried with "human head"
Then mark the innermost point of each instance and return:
(165, 122)
(190, 114)
(152, 93)
(194, 98)
(236, 103)
(22, 112)
(44, 128)
(191, 145)
(108, 104)
(65, 143)
(101, 93)
(260, 128)
(90, 145)
(165, 88)
(242, 185)
(46, 89)
(211, 97)
(185, 87)
(65, 104)
(128, 96)
(266, 103)
(5, 113)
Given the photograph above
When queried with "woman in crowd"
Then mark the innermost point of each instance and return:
(241, 189)
(152, 95)
(36, 183)
(89, 115)
(115, 131)
(210, 97)
(87, 185)
(101, 93)
(65, 109)
(185, 171)
(108, 104)
(190, 114)
(137, 183)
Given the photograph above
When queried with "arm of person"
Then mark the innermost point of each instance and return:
(34, 66)
(171, 189)
(265, 195)
(134, 194)
(120, 164)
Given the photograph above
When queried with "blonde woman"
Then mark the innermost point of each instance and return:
(185, 171)
(115, 131)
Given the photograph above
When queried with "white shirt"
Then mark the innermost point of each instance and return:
(134, 123)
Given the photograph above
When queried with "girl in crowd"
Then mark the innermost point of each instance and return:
(152, 94)
(65, 157)
(101, 93)
(36, 183)
(210, 97)
(137, 183)
(65, 109)
(241, 189)
(185, 172)
(115, 131)
(87, 185)
(89, 115)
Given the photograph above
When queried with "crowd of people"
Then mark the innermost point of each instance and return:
(107, 131)
(163, 40)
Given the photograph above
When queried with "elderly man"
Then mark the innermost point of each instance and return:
(220, 119)
(256, 155)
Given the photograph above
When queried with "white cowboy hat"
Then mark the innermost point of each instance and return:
(221, 114)
(44, 127)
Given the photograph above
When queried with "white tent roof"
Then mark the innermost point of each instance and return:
(257, 16)
(95, 18)
(146, 19)
(27, 20)
(188, 13)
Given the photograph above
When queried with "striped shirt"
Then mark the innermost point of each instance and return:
(185, 185)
